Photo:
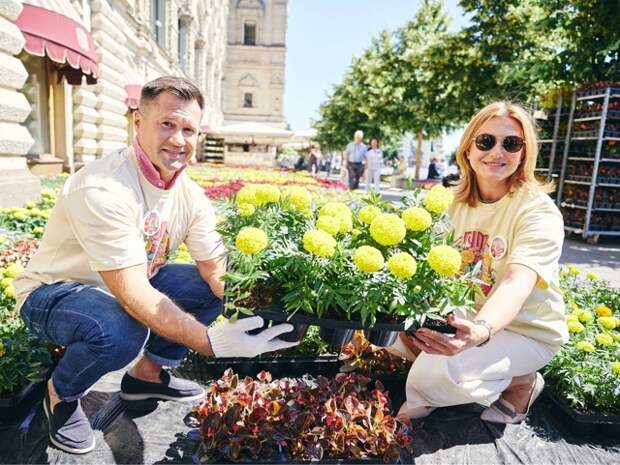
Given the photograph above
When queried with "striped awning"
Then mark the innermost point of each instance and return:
(53, 28)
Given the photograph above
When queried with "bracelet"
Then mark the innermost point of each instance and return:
(488, 326)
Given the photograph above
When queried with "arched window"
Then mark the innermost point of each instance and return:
(158, 21)
(248, 98)
(182, 44)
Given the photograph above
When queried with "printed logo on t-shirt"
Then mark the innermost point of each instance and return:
(156, 247)
(478, 254)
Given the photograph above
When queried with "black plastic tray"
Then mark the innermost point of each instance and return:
(16, 406)
(205, 369)
(582, 423)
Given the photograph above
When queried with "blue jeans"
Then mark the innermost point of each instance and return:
(100, 336)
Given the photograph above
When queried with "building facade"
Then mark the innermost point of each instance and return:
(253, 83)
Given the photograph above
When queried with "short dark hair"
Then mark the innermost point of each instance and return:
(177, 86)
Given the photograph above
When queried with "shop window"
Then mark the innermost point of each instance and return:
(158, 21)
(247, 100)
(36, 90)
(249, 34)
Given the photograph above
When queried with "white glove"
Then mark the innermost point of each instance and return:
(231, 340)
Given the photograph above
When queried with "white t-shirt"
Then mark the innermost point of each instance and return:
(524, 228)
(374, 159)
(109, 216)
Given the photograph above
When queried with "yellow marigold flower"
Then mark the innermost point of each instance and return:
(585, 346)
(368, 259)
(402, 265)
(38, 230)
(387, 229)
(368, 213)
(574, 326)
(299, 197)
(341, 211)
(6, 282)
(603, 310)
(444, 259)
(13, 270)
(246, 209)
(604, 340)
(585, 316)
(267, 193)
(319, 243)
(592, 276)
(30, 205)
(246, 195)
(329, 224)
(250, 240)
(9, 292)
(417, 219)
(438, 199)
(572, 269)
(615, 367)
(20, 216)
(607, 322)
(571, 317)
(574, 307)
(45, 214)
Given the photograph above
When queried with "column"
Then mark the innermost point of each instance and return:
(17, 184)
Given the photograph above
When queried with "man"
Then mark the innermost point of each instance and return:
(433, 169)
(99, 284)
(354, 157)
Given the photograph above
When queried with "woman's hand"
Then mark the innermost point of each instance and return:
(468, 334)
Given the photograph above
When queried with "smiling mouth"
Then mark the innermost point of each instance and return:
(173, 153)
(494, 163)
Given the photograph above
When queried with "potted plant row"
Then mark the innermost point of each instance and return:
(343, 419)
(583, 380)
(294, 257)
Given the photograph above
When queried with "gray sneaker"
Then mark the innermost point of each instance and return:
(170, 388)
(69, 428)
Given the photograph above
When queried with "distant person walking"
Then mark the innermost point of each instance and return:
(374, 164)
(313, 160)
(354, 158)
(434, 171)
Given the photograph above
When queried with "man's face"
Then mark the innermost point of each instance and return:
(167, 130)
(358, 138)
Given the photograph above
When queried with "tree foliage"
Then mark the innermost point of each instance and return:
(422, 78)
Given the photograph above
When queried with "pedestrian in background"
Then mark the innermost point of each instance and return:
(374, 164)
(313, 160)
(354, 159)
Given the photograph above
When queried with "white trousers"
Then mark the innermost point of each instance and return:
(479, 374)
(373, 176)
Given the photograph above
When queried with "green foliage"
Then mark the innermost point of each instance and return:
(587, 379)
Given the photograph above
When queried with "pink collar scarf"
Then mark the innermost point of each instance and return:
(150, 172)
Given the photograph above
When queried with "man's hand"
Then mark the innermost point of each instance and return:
(231, 339)
(468, 334)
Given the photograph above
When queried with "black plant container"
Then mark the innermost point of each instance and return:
(592, 425)
(381, 338)
(336, 336)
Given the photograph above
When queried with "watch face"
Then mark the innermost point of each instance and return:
(151, 223)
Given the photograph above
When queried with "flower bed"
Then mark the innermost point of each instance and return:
(267, 421)
(371, 263)
(586, 371)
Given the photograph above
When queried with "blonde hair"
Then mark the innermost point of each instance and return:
(467, 188)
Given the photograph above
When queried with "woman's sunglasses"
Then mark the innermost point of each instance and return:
(511, 144)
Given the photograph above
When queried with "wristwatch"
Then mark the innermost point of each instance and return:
(488, 326)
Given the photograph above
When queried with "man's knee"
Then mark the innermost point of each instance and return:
(120, 343)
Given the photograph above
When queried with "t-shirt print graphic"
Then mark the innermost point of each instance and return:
(476, 250)
(156, 247)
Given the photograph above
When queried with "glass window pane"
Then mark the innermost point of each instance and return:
(37, 93)
(249, 34)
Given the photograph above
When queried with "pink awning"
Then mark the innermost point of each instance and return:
(133, 95)
(64, 40)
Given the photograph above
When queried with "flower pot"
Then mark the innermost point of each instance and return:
(336, 336)
(381, 338)
(16, 406)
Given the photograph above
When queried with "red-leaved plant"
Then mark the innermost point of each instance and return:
(361, 356)
(298, 419)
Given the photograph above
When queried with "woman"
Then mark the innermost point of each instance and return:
(313, 161)
(504, 219)
(374, 163)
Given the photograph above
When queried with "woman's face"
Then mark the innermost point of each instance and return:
(495, 166)
(374, 143)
